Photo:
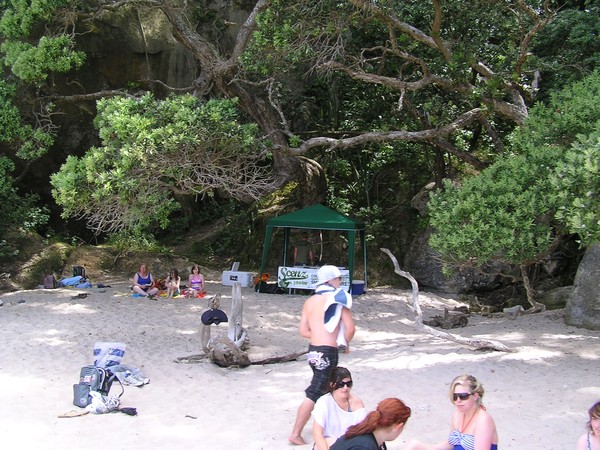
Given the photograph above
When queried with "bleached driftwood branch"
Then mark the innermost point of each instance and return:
(227, 351)
(478, 344)
(236, 332)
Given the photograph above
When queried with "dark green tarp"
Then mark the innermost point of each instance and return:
(317, 217)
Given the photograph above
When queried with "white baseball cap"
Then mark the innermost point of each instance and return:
(327, 273)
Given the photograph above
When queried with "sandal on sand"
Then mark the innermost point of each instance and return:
(73, 413)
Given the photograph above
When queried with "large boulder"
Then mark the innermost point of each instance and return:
(425, 265)
(583, 308)
(556, 298)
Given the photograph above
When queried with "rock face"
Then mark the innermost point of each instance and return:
(556, 298)
(421, 261)
(583, 308)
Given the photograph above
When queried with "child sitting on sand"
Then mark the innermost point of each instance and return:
(196, 281)
(172, 284)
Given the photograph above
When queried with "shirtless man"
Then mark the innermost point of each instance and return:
(323, 349)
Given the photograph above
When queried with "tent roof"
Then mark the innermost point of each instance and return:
(318, 217)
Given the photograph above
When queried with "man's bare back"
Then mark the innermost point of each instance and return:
(312, 325)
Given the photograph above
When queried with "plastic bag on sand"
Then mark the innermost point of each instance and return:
(129, 375)
(102, 404)
(108, 354)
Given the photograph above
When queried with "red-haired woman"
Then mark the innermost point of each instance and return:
(382, 425)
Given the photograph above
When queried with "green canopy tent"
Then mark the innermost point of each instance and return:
(317, 217)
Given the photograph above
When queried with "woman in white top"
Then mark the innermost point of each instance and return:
(337, 410)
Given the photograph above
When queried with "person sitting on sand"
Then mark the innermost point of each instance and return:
(591, 439)
(143, 283)
(337, 410)
(472, 426)
(380, 426)
(196, 281)
(172, 284)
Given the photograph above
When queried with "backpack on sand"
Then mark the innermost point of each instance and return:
(50, 282)
(93, 378)
(79, 271)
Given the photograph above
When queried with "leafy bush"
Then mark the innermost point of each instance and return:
(156, 149)
(507, 212)
(577, 183)
(19, 212)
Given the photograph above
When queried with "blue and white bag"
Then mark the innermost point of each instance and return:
(107, 354)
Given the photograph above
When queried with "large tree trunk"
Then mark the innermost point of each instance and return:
(218, 72)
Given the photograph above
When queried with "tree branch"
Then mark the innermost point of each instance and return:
(435, 30)
(479, 344)
(429, 135)
(403, 27)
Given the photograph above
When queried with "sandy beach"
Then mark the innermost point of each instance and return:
(538, 394)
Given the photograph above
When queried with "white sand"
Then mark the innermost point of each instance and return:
(538, 395)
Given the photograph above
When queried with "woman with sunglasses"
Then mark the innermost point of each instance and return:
(380, 426)
(591, 439)
(337, 410)
(473, 428)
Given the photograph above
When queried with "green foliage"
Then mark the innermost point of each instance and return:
(506, 213)
(30, 143)
(315, 39)
(33, 63)
(201, 251)
(368, 185)
(570, 112)
(9, 114)
(31, 58)
(502, 214)
(136, 240)
(577, 182)
(151, 150)
(568, 48)
(19, 211)
(16, 208)
(19, 17)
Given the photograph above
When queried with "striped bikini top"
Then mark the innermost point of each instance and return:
(462, 441)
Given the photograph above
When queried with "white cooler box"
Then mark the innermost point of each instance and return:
(230, 277)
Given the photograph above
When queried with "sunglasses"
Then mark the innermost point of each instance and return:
(341, 384)
(461, 395)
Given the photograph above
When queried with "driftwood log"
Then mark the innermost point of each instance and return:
(236, 332)
(478, 344)
(229, 351)
(448, 320)
(199, 358)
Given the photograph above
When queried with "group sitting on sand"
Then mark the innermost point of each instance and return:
(144, 284)
(340, 421)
